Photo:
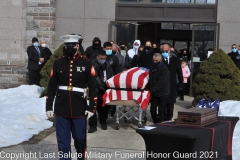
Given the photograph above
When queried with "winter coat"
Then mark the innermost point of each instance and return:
(91, 51)
(101, 85)
(236, 58)
(121, 62)
(159, 80)
(130, 54)
(135, 61)
(48, 54)
(186, 73)
(33, 57)
(175, 70)
(114, 62)
(146, 58)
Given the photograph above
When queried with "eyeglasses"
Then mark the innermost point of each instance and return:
(234, 47)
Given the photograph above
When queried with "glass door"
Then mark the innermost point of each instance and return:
(123, 32)
(205, 39)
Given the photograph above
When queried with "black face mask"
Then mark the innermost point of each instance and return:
(69, 51)
(148, 47)
(96, 45)
(155, 49)
(156, 64)
(114, 52)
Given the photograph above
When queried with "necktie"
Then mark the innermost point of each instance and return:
(39, 53)
(166, 61)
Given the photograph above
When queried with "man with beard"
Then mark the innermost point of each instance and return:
(91, 51)
(103, 72)
(69, 78)
(159, 80)
(174, 66)
(145, 59)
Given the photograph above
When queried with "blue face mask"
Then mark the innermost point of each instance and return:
(165, 54)
(238, 52)
(234, 50)
(35, 44)
(108, 52)
(101, 61)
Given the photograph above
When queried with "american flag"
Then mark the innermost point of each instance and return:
(128, 85)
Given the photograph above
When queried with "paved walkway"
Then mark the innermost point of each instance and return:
(102, 145)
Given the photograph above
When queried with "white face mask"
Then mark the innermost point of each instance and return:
(43, 45)
(135, 47)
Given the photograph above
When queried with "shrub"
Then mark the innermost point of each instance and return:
(218, 77)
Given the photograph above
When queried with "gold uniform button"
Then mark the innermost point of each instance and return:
(70, 79)
(60, 71)
(70, 70)
(70, 74)
(71, 61)
(70, 65)
(70, 84)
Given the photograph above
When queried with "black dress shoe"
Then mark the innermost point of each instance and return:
(104, 126)
(92, 129)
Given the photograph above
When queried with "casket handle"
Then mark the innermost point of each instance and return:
(189, 120)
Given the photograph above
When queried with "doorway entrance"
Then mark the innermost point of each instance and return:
(202, 37)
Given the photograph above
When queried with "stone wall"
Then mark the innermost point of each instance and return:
(40, 20)
(229, 19)
(20, 21)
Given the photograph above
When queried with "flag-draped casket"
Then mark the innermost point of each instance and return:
(128, 88)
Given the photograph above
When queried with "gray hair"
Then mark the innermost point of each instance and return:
(157, 55)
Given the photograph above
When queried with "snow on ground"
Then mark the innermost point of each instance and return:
(232, 108)
(22, 114)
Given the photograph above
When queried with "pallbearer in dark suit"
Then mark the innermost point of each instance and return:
(172, 61)
(69, 78)
(35, 62)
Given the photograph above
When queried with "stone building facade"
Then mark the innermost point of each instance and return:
(21, 20)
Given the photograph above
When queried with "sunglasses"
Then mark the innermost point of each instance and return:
(69, 45)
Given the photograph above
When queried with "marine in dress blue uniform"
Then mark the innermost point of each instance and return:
(69, 78)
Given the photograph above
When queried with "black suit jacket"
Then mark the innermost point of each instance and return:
(33, 57)
(176, 77)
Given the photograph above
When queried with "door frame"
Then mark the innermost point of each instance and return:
(121, 22)
(216, 40)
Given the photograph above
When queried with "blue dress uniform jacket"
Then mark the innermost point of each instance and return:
(76, 72)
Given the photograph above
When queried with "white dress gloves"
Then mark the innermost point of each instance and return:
(49, 114)
(89, 114)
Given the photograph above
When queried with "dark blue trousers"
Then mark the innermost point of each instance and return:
(64, 128)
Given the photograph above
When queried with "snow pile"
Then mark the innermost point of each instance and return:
(232, 108)
(22, 114)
